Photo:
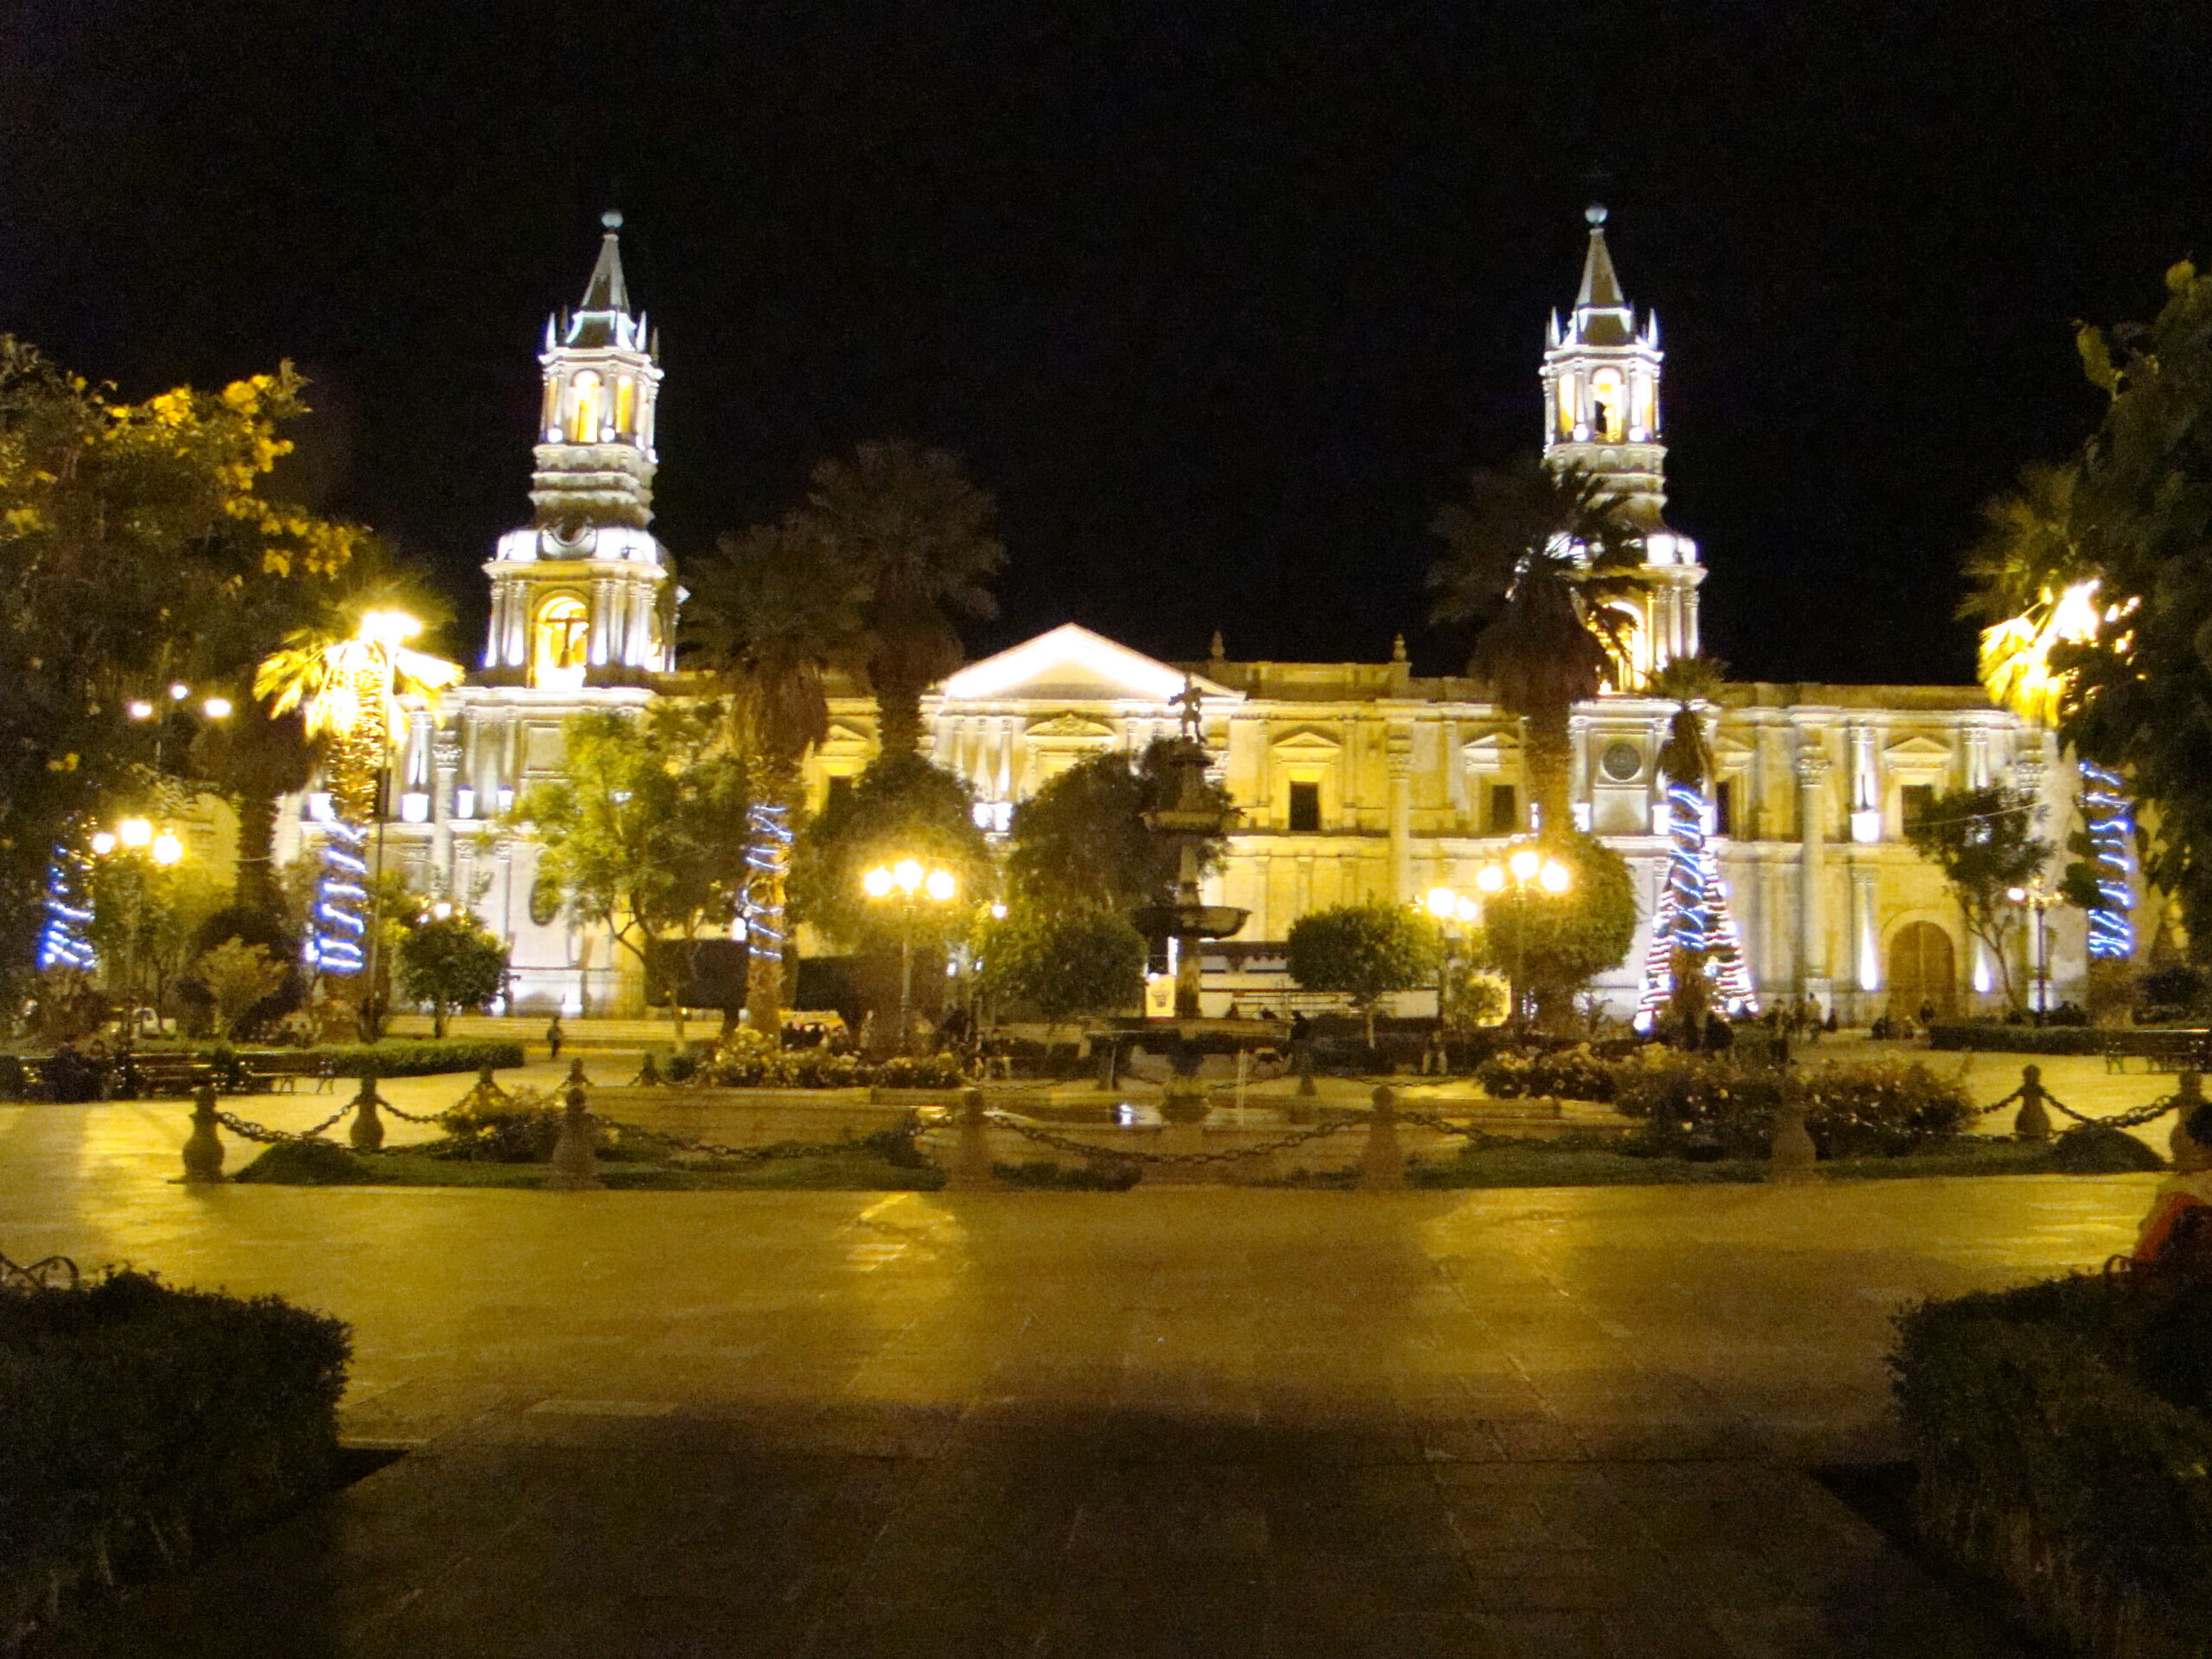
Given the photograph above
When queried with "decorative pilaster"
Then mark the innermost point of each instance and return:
(1812, 863)
(1398, 756)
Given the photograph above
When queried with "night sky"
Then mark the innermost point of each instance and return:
(1220, 300)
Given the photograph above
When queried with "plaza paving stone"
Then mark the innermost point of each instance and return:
(1187, 1421)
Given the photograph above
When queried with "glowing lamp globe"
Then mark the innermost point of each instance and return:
(939, 886)
(877, 883)
(1489, 878)
(166, 848)
(1523, 864)
(1553, 877)
(134, 833)
(907, 872)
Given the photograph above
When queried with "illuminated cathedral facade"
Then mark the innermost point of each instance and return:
(1356, 780)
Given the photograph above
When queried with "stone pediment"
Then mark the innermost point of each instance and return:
(1490, 751)
(1924, 753)
(843, 735)
(1306, 739)
(1069, 726)
(1073, 664)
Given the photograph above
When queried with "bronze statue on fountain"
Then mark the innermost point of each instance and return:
(1196, 817)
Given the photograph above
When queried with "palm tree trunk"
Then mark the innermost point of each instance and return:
(897, 717)
(254, 885)
(1550, 758)
(767, 941)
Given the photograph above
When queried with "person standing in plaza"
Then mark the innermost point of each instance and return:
(554, 1036)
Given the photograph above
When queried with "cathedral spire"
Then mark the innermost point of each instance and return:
(1602, 416)
(606, 291)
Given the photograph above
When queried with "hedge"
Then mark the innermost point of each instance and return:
(406, 1058)
(2060, 1436)
(138, 1421)
(2019, 1040)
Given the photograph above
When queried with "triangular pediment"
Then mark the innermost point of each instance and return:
(1073, 664)
(843, 735)
(1917, 751)
(1306, 739)
(1069, 725)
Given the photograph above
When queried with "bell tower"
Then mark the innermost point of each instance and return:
(1602, 415)
(586, 594)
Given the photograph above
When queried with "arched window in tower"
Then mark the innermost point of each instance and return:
(583, 407)
(560, 642)
(1647, 405)
(548, 418)
(1608, 406)
(626, 406)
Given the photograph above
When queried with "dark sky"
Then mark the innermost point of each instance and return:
(1220, 300)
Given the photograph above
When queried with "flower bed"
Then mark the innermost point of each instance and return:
(748, 1060)
(1728, 1107)
(137, 1420)
(2063, 1443)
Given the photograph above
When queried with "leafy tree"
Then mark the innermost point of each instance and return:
(131, 535)
(146, 919)
(1541, 558)
(1366, 952)
(643, 833)
(772, 612)
(238, 975)
(1065, 963)
(1082, 840)
(257, 759)
(901, 807)
(451, 962)
(919, 534)
(1983, 840)
(1552, 944)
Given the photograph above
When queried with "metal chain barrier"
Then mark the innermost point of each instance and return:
(41, 1274)
(1045, 1137)
(1471, 1130)
(246, 1129)
(733, 1155)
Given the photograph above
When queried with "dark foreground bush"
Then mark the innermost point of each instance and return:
(138, 1423)
(2063, 1447)
(2100, 1149)
(420, 1059)
(308, 1163)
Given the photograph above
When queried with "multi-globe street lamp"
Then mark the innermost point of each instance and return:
(909, 884)
(1520, 871)
(143, 843)
(2038, 898)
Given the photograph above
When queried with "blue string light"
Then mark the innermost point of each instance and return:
(2111, 818)
(339, 930)
(767, 855)
(63, 943)
(1693, 915)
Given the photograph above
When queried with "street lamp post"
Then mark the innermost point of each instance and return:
(138, 838)
(908, 883)
(2039, 900)
(1518, 872)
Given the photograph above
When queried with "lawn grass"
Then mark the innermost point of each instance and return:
(1537, 1163)
(863, 1169)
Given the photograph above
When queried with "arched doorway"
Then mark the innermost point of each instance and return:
(1922, 971)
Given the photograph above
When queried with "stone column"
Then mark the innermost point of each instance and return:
(602, 620)
(1399, 757)
(1578, 772)
(1812, 864)
(1865, 929)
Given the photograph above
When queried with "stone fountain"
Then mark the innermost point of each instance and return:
(1194, 818)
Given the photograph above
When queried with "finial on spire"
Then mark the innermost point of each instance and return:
(1398, 648)
(1595, 212)
(1217, 652)
(612, 219)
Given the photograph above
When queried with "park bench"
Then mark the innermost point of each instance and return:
(2159, 1050)
(281, 1073)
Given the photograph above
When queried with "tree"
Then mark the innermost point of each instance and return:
(1065, 962)
(1082, 839)
(238, 975)
(257, 759)
(347, 677)
(901, 807)
(2136, 696)
(451, 962)
(129, 533)
(1692, 926)
(1366, 952)
(1983, 840)
(1552, 944)
(772, 612)
(1541, 558)
(145, 920)
(642, 833)
(919, 534)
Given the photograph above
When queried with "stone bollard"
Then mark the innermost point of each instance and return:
(2032, 1121)
(1382, 1165)
(2188, 1098)
(203, 1147)
(971, 1155)
(574, 1167)
(1792, 1158)
(1305, 1047)
(367, 1131)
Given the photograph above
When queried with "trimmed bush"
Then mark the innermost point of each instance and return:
(1574, 1073)
(418, 1059)
(746, 1058)
(2100, 1149)
(308, 1163)
(138, 1421)
(2063, 1447)
(2018, 1039)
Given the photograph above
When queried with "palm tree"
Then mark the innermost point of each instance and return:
(1690, 923)
(2037, 591)
(348, 683)
(919, 534)
(1541, 559)
(257, 759)
(771, 612)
